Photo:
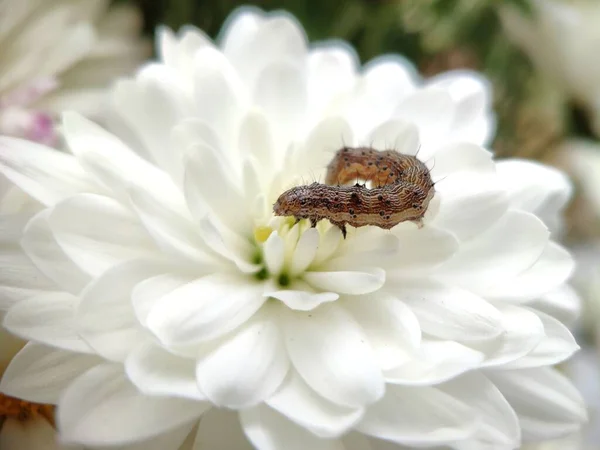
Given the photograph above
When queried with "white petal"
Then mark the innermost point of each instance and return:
(39, 373)
(546, 402)
(218, 92)
(204, 309)
(554, 266)
(391, 327)
(43, 249)
(450, 313)
(255, 138)
(423, 248)
(534, 187)
(469, 204)
(332, 73)
(507, 249)
(246, 368)
(432, 111)
(301, 297)
(111, 161)
(423, 415)
(305, 251)
(204, 171)
(261, 40)
(461, 157)
(17, 271)
(499, 425)
(328, 136)
(148, 292)
(48, 318)
(220, 429)
(523, 330)
(268, 430)
(156, 372)
(384, 82)
(331, 353)
(347, 282)
(273, 253)
(557, 345)
(103, 408)
(174, 231)
(302, 405)
(563, 303)
(229, 245)
(97, 232)
(105, 315)
(45, 174)
(396, 134)
(433, 363)
(280, 91)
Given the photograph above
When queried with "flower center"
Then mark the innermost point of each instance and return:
(23, 410)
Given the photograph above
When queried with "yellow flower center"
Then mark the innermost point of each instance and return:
(23, 410)
(262, 233)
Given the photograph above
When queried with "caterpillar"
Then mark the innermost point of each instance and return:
(402, 191)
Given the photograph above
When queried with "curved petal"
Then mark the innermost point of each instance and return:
(428, 416)
(39, 244)
(205, 309)
(557, 345)
(111, 161)
(45, 174)
(392, 329)
(47, 318)
(301, 298)
(299, 403)
(400, 135)
(331, 353)
(499, 426)
(103, 408)
(173, 231)
(305, 251)
(547, 404)
(563, 304)
(434, 362)
(39, 373)
(470, 204)
(347, 282)
(148, 292)
(246, 368)
(105, 315)
(273, 251)
(523, 331)
(156, 372)
(462, 157)
(269, 430)
(449, 312)
(280, 91)
(97, 232)
(508, 248)
(554, 266)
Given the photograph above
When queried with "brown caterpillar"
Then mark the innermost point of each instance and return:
(404, 190)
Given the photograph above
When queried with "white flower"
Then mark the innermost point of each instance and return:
(562, 39)
(163, 290)
(61, 54)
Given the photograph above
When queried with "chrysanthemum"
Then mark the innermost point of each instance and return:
(159, 289)
(61, 54)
